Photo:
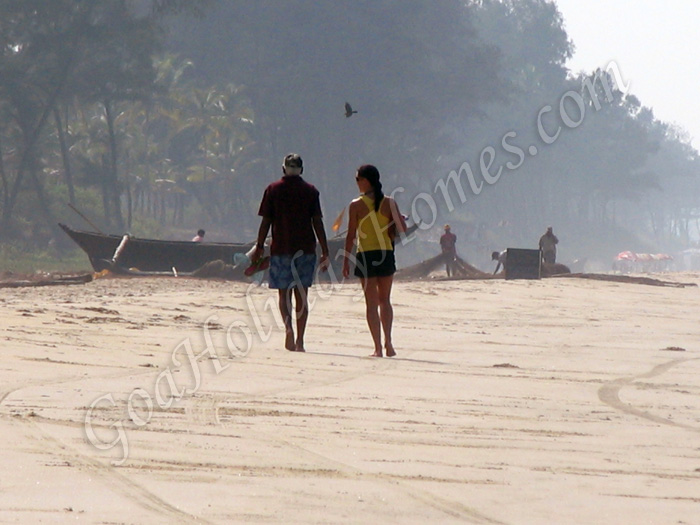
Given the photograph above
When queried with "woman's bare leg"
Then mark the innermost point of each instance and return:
(386, 311)
(369, 285)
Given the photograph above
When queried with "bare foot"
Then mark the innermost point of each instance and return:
(376, 354)
(289, 341)
(390, 351)
(299, 348)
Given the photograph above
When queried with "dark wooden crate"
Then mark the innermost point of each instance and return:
(523, 264)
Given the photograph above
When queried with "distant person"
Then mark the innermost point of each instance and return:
(501, 258)
(374, 221)
(291, 206)
(448, 245)
(548, 246)
(199, 237)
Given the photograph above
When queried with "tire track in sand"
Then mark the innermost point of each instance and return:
(609, 394)
(112, 478)
(204, 409)
(115, 480)
(450, 507)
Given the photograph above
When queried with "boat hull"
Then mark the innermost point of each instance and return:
(152, 255)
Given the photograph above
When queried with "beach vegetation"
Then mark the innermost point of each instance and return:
(161, 117)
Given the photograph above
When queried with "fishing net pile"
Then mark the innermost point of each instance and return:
(461, 269)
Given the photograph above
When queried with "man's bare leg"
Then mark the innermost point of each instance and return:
(386, 311)
(302, 309)
(369, 285)
(285, 299)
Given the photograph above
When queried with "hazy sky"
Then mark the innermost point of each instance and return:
(655, 44)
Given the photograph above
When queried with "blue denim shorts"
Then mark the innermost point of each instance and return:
(287, 271)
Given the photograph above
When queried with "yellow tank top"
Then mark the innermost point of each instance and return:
(373, 229)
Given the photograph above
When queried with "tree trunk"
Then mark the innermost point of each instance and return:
(106, 202)
(113, 177)
(129, 207)
(67, 172)
(14, 191)
(129, 199)
(44, 205)
(5, 183)
(31, 136)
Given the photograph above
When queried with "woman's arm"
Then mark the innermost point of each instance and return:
(350, 237)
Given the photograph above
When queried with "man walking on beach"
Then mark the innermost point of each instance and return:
(291, 206)
(448, 244)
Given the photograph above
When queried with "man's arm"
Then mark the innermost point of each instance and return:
(396, 216)
(265, 224)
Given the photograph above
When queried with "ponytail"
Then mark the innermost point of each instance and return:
(378, 195)
(371, 173)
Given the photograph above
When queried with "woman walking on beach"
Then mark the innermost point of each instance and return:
(374, 221)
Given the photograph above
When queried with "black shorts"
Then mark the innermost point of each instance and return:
(375, 263)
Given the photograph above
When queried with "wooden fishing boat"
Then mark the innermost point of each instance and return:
(117, 252)
(151, 255)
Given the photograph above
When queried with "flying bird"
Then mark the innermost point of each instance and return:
(348, 110)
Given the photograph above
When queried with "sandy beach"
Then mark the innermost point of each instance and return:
(164, 400)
